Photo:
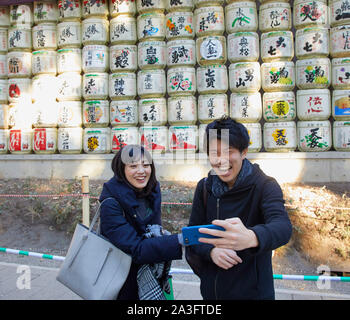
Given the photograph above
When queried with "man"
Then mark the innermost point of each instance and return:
(249, 205)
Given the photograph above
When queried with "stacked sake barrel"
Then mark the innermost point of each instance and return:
(151, 77)
(19, 70)
(340, 52)
(313, 75)
(244, 70)
(44, 81)
(4, 108)
(123, 65)
(69, 79)
(278, 76)
(96, 79)
(211, 55)
(181, 77)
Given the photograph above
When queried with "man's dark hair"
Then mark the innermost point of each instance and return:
(127, 155)
(238, 136)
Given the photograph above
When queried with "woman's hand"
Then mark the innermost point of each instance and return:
(236, 236)
(224, 258)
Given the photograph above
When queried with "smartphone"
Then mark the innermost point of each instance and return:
(191, 234)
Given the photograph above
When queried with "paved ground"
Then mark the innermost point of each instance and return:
(43, 286)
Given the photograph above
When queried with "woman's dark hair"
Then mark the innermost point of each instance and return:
(129, 154)
(236, 133)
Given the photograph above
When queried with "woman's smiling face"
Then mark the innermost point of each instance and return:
(138, 173)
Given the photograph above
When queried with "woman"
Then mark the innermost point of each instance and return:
(131, 219)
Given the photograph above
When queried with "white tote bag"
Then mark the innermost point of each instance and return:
(94, 268)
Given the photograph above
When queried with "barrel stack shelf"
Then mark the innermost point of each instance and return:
(87, 77)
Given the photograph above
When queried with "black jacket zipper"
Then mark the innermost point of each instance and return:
(217, 217)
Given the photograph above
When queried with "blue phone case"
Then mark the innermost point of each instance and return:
(191, 234)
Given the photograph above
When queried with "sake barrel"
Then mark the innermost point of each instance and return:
(3, 90)
(97, 140)
(44, 35)
(181, 81)
(69, 86)
(4, 116)
(183, 5)
(255, 136)
(69, 60)
(241, 16)
(182, 110)
(4, 16)
(313, 104)
(312, 42)
(44, 140)
(123, 30)
(275, 16)
(150, 25)
(96, 113)
(153, 6)
(19, 38)
(21, 14)
(211, 50)
(95, 86)
(152, 111)
(70, 140)
(3, 66)
(69, 10)
(45, 114)
(212, 79)
(279, 106)
(246, 107)
(340, 41)
(3, 39)
(95, 8)
(44, 87)
(123, 58)
(181, 53)
(280, 136)
(244, 77)
(201, 138)
(212, 107)
(339, 12)
(341, 105)
(69, 34)
(122, 136)
(341, 135)
(183, 138)
(278, 76)
(154, 139)
(19, 64)
(243, 46)
(209, 21)
(152, 54)
(117, 7)
(151, 83)
(313, 73)
(45, 11)
(95, 31)
(124, 113)
(341, 73)
(20, 141)
(95, 58)
(179, 25)
(20, 89)
(21, 114)
(308, 13)
(205, 3)
(69, 114)
(122, 85)
(314, 136)
(277, 45)
(44, 61)
(4, 134)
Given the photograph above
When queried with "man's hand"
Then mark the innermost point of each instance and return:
(236, 236)
(224, 258)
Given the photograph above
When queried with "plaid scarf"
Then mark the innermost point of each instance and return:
(152, 279)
